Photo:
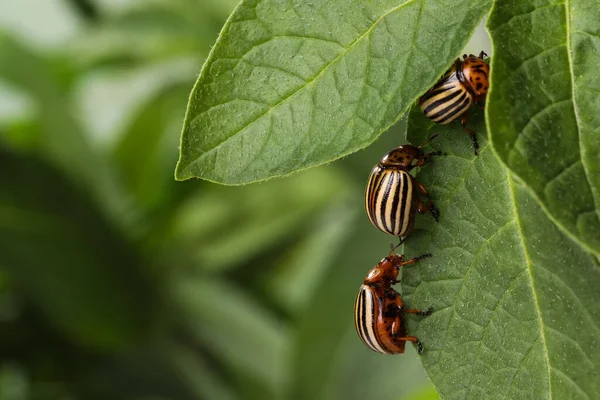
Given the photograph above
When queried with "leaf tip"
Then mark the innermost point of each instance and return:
(182, 172)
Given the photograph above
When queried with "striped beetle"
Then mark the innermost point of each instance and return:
(391, 198)
(379, 310)
(465, 83)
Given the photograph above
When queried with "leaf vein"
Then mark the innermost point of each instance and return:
(512, 380)
(308, 82)
(530, 272)
(583, 307)
(575, 109)
(462, 284)
(516, 16)
(572, 382)
(573, 341)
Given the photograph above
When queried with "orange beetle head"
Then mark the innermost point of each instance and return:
(475, 74)
(386, 271)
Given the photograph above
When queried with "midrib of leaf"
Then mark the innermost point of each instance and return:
(575, 109)
(301, 88)
(517, 223)
(531, 279)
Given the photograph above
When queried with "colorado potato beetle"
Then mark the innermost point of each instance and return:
(465, 84)
(391, 196)
(379, 310)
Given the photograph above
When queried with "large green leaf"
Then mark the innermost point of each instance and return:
(291, 85)
(516, 301)
(544, 107)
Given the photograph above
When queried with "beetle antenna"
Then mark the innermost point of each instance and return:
(428, 140)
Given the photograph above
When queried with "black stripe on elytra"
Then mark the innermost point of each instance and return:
(442, 101)
(386, 195)
(395, 202)
(364, 336)
(373, 196)
(406, 181)
(457, 111)
(464, 98)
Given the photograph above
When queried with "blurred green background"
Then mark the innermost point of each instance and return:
(116, 282)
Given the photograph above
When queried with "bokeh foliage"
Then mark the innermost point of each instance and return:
(118, 282)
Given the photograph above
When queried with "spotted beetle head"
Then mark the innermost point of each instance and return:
(402, 156)
(475, 74)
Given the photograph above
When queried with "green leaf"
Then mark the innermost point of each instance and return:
(427, 393)
(516, 300)
(78, 269)
(544, 106)
(290, 85)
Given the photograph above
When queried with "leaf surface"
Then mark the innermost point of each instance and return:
(516, 300)
(544, 107)
(291, 85)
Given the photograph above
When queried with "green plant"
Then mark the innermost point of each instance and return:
(515, 273)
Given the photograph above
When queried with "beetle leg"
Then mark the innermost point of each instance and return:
(427, 157)
(420, 312)
(414, 340)
(397, 324)
(424, 208)
(399, 303)
(478, 100)
(414, 260)
(463, 122)
(422, 188)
